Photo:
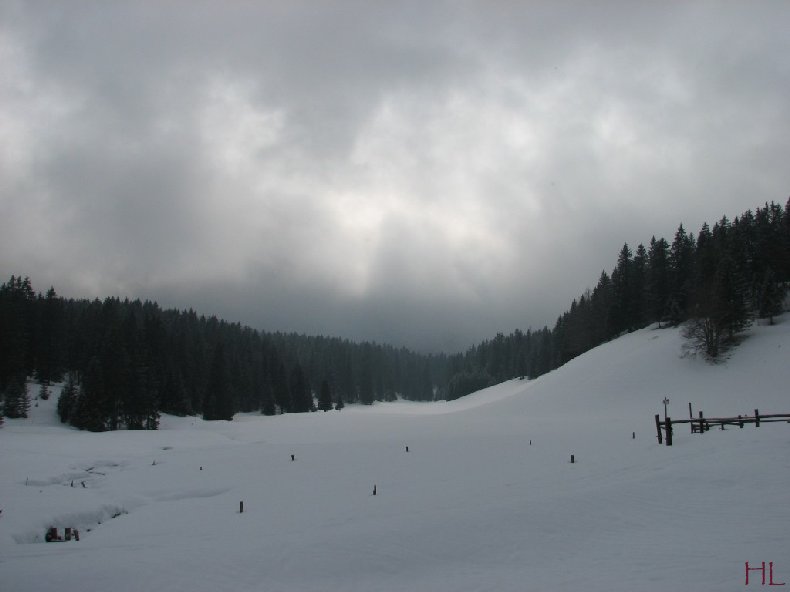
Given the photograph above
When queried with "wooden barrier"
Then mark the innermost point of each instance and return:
(702, 424)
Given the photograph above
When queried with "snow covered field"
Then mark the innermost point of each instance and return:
(472, 505)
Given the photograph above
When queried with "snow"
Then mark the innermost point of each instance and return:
(472, 506)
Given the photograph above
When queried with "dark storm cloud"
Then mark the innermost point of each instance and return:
(423, 172)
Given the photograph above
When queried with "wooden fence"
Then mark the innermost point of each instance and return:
(702, 424)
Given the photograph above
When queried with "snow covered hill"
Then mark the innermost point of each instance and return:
(485, 499)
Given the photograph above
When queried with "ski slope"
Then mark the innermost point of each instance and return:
(485, 499)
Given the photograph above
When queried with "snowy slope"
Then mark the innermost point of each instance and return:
(473, 505)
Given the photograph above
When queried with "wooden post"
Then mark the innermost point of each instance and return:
(293, 457)
(658, 429)
(633, 435)
(241, 507)
(756, 418)
(573, 459)
(374, 489)
(701, 423)
(668, 430)
(691, 416)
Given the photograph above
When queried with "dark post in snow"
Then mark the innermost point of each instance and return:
(740, 421)
(374, 489)
(407, 449)
(633, 435)
(701, 423)
(668, 429)
(293, 457)
(573, 459)
(691, 416)
(241, 507)
(658, 429)
(756, 418)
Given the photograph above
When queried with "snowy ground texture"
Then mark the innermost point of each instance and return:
(472, 505)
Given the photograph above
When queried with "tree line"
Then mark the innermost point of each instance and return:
(124, 362)
(713, 284)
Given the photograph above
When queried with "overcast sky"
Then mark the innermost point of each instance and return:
(421, 173)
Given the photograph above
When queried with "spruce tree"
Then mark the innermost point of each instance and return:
(325, 397)
(218, 404)
(282, 394)
(302, 400)
(67, 401)
(17, 400)
(638, 311)
(771, 296)
(622, 293)
(89, 412)
(658, 285)
(681, 258)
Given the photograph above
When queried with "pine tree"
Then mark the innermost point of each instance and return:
(267, 389)
(302, 400)
(325, 397)
(282, 394)
(658, 286)
(218, 404)
(50, 337)
(67, 401)
(681, 258)
(89, 411)
(722, 313)
(622, 293)
(771, 295)
(638, 311)
(17, 400)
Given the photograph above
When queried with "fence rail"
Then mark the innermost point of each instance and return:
(702, 424)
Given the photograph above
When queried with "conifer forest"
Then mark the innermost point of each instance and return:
(124, 362)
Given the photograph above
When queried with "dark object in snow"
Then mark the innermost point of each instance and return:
(573, 459)
(241, 507)
(374, 489)
(407, 449)
(633, 435)
(293, 457)
(52, 535)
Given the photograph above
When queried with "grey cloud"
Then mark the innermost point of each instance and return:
(428, 173)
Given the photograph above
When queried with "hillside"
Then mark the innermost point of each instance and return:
(485, 499)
